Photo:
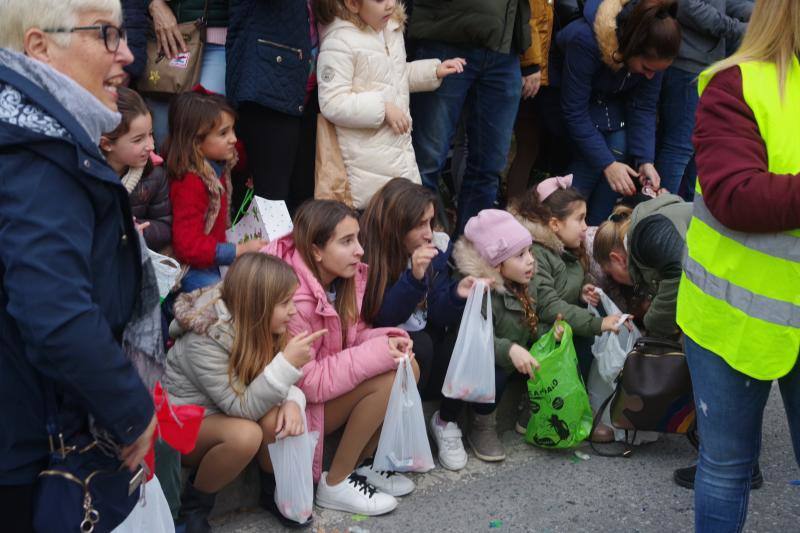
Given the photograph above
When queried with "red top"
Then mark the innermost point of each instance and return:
(732, 163)
(189, 199)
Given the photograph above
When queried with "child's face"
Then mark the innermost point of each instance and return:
(617, 267)
(342, 253)
(282, 314)
(518, 268)
(422, 235)
(572, 230)
(220, 143)
(374, 13)
(134, 148)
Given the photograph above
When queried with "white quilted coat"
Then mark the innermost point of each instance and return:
(357, 74)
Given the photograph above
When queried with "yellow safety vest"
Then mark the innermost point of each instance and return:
(739, 295)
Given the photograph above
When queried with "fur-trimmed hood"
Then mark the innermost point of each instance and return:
(470, 263)
(605, 24)
(199, 310)
(541, 233)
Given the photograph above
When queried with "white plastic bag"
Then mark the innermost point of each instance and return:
(292, 459)
(610, 349)
(167, 271)
(470, 375)
(404, 446)
(150, 514)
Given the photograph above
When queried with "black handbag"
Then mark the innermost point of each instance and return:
(653, 393)
(85, 487)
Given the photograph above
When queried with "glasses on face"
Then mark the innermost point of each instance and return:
(112, 35)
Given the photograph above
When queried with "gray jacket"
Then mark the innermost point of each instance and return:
(197, 365)
(708, 29)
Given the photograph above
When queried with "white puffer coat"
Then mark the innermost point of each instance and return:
(357, 74)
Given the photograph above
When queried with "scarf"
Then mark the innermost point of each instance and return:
(132, 178)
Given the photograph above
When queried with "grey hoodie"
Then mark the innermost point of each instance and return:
(708, 28)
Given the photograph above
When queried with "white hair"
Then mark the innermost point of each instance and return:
(18, 16)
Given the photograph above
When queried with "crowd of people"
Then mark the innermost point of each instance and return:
(654, 157)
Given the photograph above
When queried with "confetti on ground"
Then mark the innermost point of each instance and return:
(359, 517)
(495, 524)
(582, 456)
(574, 459)
(795, 482)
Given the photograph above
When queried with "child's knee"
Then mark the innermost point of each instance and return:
(245, 438)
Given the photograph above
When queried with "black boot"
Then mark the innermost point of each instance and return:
(268, 502)
(685, 477)
(195, 508)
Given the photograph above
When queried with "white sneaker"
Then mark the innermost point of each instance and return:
(386, 481)
(354, 495)
(452, 455)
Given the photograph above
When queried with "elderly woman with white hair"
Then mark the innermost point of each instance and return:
(73, 287)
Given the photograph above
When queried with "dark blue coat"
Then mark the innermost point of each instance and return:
(400, 300)
(595, 98)
(137, 25)
(268, 54)
(70, 273)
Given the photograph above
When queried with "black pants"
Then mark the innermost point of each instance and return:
(431, 346)
(280, 152)
(16, 508)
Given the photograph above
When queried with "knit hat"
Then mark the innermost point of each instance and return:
(497, 235)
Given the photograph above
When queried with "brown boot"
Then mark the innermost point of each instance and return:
(483, 439)
(602, 434)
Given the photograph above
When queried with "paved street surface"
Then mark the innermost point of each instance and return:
(555, 491)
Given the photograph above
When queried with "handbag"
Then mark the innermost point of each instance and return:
(164, 76)
(330, 174)
(85, 487)
(653, 392)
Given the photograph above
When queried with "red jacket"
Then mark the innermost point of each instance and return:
(732, 163)
(192, 246)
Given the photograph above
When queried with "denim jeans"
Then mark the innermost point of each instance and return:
(591, 182)
(677, 107)
(730, 408)
(489, 91)
(197, 278)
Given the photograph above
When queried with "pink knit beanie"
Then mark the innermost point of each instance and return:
(497, 235)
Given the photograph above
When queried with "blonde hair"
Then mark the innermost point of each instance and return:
(18, 16)
(610, 236)
(773, 36)
(253, 286)
(325, 11)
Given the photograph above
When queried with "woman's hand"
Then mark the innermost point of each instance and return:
(523, 361)
(290, 420)
(396, 118)
(133, 454)
(421, 260)
(450, 66)
(620, 178)
(531, 85)
(170, 40)
(298, 349)
(253, 245)
(648, 175)
(400, 347)
(589, 295)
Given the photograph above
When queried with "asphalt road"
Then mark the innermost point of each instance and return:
(555, 491)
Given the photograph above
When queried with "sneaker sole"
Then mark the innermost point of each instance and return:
(487, 458)
(519, 429)
(320, 502)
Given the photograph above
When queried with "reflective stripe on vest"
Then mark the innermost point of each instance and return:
(739, 295)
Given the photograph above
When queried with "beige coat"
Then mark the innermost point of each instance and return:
(357, 74)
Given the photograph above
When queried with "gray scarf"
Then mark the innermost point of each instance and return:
(91, 114)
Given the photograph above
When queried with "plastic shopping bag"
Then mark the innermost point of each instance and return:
(560, 413)
(150, 514)
(610, 349)
(292, 458)
(167, 270)
(403, 446)
(470, 375)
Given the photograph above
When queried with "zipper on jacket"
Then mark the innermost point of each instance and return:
(297, 51)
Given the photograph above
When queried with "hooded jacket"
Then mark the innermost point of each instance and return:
(70, 270)
(357, 74)
(150, 203)
(708, 29)
(599, 94)
(197, 364)
(558, 282)
(341, 360)
(508, 315)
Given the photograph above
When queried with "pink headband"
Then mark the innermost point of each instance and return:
(551, 185)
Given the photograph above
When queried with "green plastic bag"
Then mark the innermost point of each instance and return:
(561, 416)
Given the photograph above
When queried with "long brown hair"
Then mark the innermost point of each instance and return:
(315, 223)
(651, 30)
(131, 106)
(610, 235)
(192, 116)
(253, 286)
(396, 209)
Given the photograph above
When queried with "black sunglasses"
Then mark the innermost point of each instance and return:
(112, 35)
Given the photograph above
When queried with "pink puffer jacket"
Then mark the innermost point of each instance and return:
(333, 371)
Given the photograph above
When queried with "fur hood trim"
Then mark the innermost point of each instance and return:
(605, 31)
(199, 310)
(541, 233)
(470, 263)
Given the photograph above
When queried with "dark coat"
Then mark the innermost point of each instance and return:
(71, 274)
(598, 94)
(150, 203)
(137, 25)
(268, 54)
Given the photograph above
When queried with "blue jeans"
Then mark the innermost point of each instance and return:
(212, 77)
(677, 107)
(730, 408)
(197, 278)
(489, 91)
(591, 182)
